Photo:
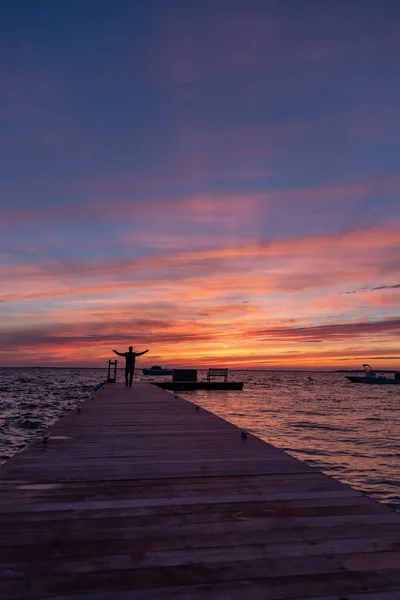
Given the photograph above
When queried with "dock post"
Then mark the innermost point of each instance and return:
(112, 378)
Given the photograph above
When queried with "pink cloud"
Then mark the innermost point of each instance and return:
(337, 331)
(105, 204)
(311, 262)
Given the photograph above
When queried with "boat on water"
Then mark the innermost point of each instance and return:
(371, 377)
(157, 370)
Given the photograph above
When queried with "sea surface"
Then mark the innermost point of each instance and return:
(349, 431)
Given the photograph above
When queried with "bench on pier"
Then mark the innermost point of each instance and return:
(217, 373)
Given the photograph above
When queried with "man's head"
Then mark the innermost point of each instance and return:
(130, 348)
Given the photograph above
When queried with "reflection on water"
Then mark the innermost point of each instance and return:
(350, 431)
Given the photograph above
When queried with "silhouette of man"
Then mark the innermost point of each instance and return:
(130, 363)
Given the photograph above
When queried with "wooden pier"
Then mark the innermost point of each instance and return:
(140, 496)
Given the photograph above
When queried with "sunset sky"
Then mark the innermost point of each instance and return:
(218, 181)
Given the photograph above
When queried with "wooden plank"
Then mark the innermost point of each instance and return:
(192, 486)
(312, 504)
(126, 543)
(75, 535)
(364, 552)
(139, 495)
(170, 501)
(255, 590)
(213, 583)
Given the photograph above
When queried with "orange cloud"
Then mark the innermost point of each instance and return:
(285, 294)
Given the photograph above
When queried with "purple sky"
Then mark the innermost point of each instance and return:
(198, 176)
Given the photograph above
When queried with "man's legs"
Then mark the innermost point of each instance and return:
(126, 377)
(131, 372)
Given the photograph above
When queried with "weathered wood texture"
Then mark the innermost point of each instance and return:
(141, 496)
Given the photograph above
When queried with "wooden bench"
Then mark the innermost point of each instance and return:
(217, 373)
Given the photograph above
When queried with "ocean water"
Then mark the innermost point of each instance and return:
(349, 431)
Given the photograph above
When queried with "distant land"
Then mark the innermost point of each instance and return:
(198, 368)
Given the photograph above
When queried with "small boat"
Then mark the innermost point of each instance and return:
(157, 370)
(371, 377)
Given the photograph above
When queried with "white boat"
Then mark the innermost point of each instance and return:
(371, 377)
(157, 370)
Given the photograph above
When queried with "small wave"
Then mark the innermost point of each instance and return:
(310, 451)
(300, 424)
(29, 424)
(29, 405)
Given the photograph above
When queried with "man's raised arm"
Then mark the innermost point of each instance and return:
(140, 353)
(119, 353)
